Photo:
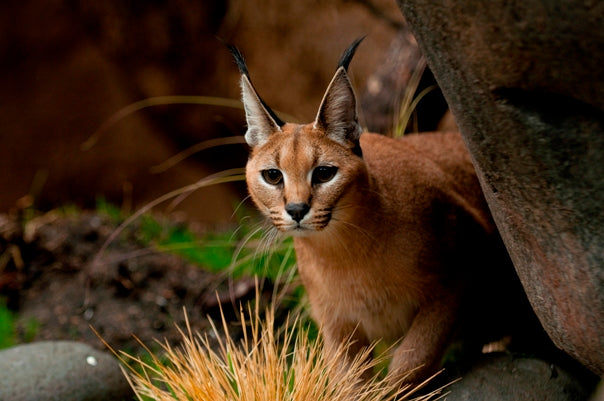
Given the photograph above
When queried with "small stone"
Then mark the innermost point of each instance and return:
(60, 370)
(501, 377)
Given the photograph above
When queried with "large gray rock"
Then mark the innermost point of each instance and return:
(504, 378)
(60, 371)
(525, 82)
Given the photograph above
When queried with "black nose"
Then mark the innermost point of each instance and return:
(297, 210)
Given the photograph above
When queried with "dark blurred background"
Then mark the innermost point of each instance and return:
(68, 66)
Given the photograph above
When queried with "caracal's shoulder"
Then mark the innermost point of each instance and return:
(424, 140)
(438, 147)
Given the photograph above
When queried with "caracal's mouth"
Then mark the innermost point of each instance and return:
(302, 229)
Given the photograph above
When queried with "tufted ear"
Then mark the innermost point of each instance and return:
(261, 120)
(337, 114)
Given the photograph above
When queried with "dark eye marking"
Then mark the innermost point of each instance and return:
(323, 174)
(272, 176)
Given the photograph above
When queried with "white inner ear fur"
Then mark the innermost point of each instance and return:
(260, 124)
(337, 114)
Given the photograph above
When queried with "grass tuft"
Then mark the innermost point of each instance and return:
(268, 364)
(409, 101)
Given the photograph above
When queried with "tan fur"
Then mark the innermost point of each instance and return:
(377, 266)
(392, 246)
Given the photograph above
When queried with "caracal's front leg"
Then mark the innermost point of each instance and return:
(420, 352)
(338, 334)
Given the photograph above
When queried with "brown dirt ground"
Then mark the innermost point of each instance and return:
(49, 279)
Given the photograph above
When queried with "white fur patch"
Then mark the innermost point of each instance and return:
(260, 125)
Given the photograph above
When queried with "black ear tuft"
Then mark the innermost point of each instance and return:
(239, 60)
(242, 66)
(349, 53)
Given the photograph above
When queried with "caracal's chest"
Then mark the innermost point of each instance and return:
(350, 288)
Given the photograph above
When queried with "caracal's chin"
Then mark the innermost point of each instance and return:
(302, 229)
(300, 232)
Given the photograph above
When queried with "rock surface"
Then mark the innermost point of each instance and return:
(504, 378)
(524, 81)
(60, 371)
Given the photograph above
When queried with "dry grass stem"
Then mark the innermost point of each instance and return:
(230, 175)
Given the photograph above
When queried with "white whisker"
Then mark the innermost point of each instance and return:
(239, 205)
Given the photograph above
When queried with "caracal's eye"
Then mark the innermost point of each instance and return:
(272, 176)
(322, 174)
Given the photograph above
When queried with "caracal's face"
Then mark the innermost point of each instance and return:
(298, 179)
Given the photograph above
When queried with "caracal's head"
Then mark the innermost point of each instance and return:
(300, 176)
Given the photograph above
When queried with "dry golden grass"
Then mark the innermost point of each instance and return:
(268, 364)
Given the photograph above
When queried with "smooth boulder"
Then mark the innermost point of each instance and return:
(60, 371)
(526, 85)
(505, 378)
